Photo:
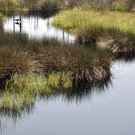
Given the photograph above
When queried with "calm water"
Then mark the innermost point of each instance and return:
(37, 28)
(110, 112)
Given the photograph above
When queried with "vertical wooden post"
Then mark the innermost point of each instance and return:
(20, 23)
(13, 24)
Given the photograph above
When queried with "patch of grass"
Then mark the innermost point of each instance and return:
(22, 90)
(88, 24)
(37, 84)
(32, 69)
(14, 60)
(45, 57)
(10, 102)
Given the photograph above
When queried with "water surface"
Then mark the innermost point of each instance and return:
(110, 112)
(37, 28)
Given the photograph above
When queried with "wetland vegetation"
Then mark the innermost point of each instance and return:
(37, 68)
(99, 27)
(70, 56)
(30, 67)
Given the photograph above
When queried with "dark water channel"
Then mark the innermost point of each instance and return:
(108, 112)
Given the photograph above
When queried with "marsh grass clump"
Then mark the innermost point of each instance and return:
(88, 25)
(23, 90)
(79, 61)
(31, 83)
(38, 84)
(15, 103)
(14, 60)
(47, 59)
(31, 70)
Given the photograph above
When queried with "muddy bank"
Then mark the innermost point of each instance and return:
(121, 45)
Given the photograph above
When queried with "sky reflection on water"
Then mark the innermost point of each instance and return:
(111, 112)
(37, 28)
